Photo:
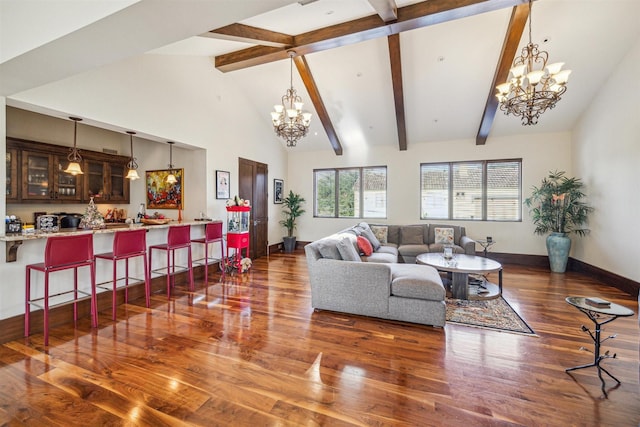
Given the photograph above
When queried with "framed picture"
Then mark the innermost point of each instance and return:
(222, 184)
(161, 194)
(278, 190)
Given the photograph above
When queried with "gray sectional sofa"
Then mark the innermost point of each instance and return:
(386, 284)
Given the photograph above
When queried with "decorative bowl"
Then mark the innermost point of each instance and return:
(155, 221)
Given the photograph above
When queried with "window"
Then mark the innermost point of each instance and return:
(350, 192)
(489, 190)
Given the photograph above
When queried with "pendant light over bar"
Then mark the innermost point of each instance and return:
(171, 178)
(74, 156)
(132, 174)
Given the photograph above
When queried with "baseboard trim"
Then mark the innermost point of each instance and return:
(624, 284)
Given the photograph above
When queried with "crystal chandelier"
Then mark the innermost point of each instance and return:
(74, 156)
(534, 86)
(289, 121)
(132, 165)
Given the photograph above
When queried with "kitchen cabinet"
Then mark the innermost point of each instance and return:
(12, 175)
(43, 178)
(105, 181)
(35, 173)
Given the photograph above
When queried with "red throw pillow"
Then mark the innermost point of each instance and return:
(365, 246)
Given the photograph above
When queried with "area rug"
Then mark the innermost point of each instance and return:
(494, 314)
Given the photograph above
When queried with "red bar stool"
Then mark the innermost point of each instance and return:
(178, 237)
(212, 234)
(127, 245)
(62, 253)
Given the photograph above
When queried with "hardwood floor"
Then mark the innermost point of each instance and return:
(251, 351)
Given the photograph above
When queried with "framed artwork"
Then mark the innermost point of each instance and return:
(162, 195)
(278, 190)
(222, 184)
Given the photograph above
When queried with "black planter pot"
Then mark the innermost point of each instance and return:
(289, 243)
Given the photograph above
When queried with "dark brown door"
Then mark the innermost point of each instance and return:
(252, 185)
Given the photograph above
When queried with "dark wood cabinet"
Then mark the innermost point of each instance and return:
(42, 175)
(12, 175)
(105, 181)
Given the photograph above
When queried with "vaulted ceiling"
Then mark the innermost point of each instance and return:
(372, 72)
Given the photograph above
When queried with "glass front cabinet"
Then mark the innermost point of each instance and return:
(36, 172)
(105, 181)
(12, 175)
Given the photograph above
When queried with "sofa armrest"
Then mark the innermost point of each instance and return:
(468, 244)
(350, 286)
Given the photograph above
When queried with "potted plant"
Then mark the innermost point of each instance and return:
(291, 209)
(557, 207)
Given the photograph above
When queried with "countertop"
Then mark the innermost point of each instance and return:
(110, 228)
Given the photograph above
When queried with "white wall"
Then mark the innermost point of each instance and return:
(540, 154)
(179, 98)
(150, 156)
(606, 153)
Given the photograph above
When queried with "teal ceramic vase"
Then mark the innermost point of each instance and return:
(558, 246)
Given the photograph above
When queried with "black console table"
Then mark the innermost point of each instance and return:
(599, 315)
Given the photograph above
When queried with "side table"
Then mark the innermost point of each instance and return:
(599, 315)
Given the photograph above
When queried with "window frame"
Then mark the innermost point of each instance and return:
(336, 192)
(484, 189)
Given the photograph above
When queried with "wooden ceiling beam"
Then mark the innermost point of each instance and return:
(410, 17)
(398, 91)
(247, 34)
(312, 89)
(517, 23)
(386, 9)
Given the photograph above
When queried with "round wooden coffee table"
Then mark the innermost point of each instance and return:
(459, 269)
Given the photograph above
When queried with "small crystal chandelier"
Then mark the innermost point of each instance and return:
(74, 156)
(171, 178)
(289, 122)
(132, 165)
(530, 92)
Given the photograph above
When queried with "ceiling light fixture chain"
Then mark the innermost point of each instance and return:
(289, 121)
(529, 92)
(132, 174)
(74, 156)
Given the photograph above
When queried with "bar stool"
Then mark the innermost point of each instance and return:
(62, 253)
(178, 237)
(212, 234)
(127, 245)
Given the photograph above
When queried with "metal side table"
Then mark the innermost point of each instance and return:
(599, 315)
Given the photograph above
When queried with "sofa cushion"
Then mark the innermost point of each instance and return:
(382, 257)
(385, 254)
(393, 234)
(347, 251)
(365, 231)
(328, 248)
(458, 231)
(413, 250)
(380, 231)
(365, 246)
(411, 235)
(416, 281)
(388, 249)
(443, 236)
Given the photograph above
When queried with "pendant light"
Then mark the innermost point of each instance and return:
(74, 156)
(132, 165)
(171, 178)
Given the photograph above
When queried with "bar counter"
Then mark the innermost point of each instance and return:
(12, 290)
(14, 241)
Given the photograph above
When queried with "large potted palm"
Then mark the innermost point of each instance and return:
(557, 207)
(291, 209)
